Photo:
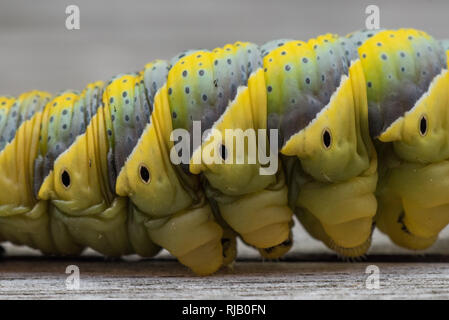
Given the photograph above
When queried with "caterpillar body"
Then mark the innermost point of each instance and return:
(363, 141)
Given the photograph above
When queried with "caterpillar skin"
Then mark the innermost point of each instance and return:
(317, 100)
(408, 99)
(225, 89)
(23, 218)
(93, 169)
(108, 144)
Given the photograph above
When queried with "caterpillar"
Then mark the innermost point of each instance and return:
(408, 103)
(362, 130)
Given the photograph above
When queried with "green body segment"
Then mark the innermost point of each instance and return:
(399, 67)
(407, 81)
(21, 110)
(201, 84)
(162, 196)
(23, 218)
(69, 173)
(126, 115)
(316, 102)
(301, 78)
(224, 89)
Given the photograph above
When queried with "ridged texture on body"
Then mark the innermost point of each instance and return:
(408, 98)
(99, 168)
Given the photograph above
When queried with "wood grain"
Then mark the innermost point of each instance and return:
(25, 278)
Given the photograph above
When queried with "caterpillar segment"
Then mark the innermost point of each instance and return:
(24, 219)
(317, 100)
(71, 172)
(224, 93)
(408, 99)
(168, 202)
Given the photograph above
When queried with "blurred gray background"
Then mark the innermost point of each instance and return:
(38, 52)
